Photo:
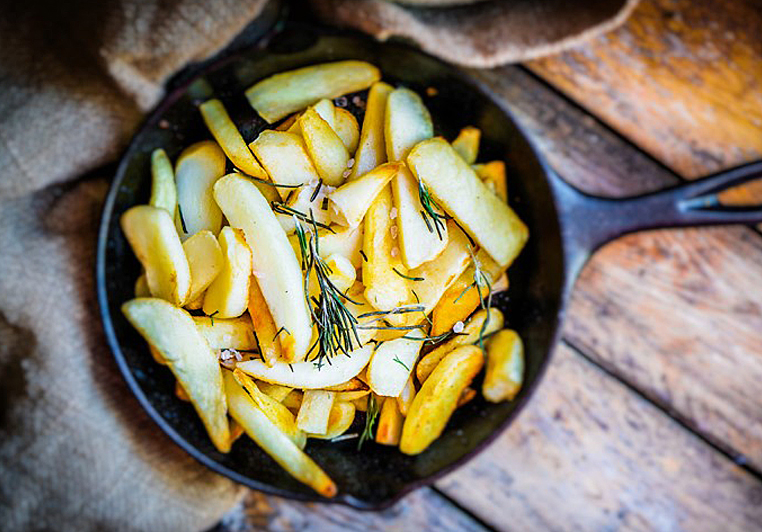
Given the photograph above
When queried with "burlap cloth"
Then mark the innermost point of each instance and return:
(76, 450)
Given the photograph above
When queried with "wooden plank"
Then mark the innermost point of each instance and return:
(588, 454)
(421, 510)
(636, 311)
(681, 79)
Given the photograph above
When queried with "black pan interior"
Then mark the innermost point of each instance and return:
(376, 475)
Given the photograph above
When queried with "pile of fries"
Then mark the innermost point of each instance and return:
(327, 268)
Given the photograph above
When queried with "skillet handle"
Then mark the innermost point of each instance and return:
(588, 222)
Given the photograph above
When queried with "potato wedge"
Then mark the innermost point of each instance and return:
(371, 151)
(457, 189)
(325, 148)
(229, 138)
(462, 298)
(284, 156)
(354, 384)
(437, 276)
(406, 123)
(153, 239)
(196, 171)
(305, 375)
(438, 398)
(205, 260)
(163, 189)
(306, 200)
(273, 441)
(287, 92)
(467, 143)
(172, 332)
(157, 356)
(340, 419)
(315, 411)
(276, 391)
(418, 243)
(493, 175)
(505, 366)
(385, 288)
(288, 122)
(346, 241)
(347, 129)
(141, 286)
(350, 396)
(228, 295)
(469, 335)
(233, 333)
(389, 423)
(326, 111)
(406, 397)
(264, 325)
(278, 273)
(280, 416)
(392, 363)
(351, 201)
(180, 392)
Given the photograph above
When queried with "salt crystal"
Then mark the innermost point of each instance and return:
(393, 213)
(395, 251)
(346, 173)
(393, 230)
(458, 327)
(351, 162)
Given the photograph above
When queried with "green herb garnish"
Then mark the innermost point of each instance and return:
(182, 219)
(282, 208)
(407, 276)
(282, 329)
(429, 212)
(212, 315)
(398, 361)
(370, 421)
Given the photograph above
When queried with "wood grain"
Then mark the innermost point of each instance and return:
(681, 78)
(421, 510)
(658, 315)
(588, 454)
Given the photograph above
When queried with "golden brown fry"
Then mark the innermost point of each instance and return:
(163, 189)
(351, 201)
(232, 333)
(276, 391)
(347, 129)
(325, 147)
(196, 170)
(371, 151)
(505, 366)
(389, 424)
(285, 158)
(288, 122)
(470, 335)
(349, 386)
(157, 356)
(406, 123)
(467, 143)
(406, 397)
(293, 400)
(466, 396)
(493, 175)
(180, 392)
(438, 398)
(351, 396)
(361, 403)
(141, 287)
(315, 411)
(228, 294)
(205, 261)
(264, 326)
(340, 419)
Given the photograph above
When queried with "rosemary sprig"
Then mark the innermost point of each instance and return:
(268, 183)
(398, 361)
(409, 278)
(396, 310)
(364, 256)
(282, 208)
(316, 191)
(430, 215)
(435, 339)
(182, 219)
(370, 421)
(282, 329)
(481, 280)
(212, 315)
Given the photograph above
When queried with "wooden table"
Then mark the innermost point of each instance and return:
(650, 417)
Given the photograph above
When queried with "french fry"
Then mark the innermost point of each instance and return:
(276, 391)
(458, 190)
(467, 143)
(293, 400)
(347, 129)
(233, 333)
(346, 241)
(157, 356)
(273, 441)
(371, 151)
(325, 148)
(315, 411)
(205, 261)
(280, 415)
(228, 295)
(309, 201)
(392, 363)
(264, 325)
(350, 202)
(153, 239)
(284, 156)
(287, 92)
(417, 242)
(342, 273)
(229, 138)
(463, 297)
(406, 397)
(493, 175)
(305, 375)
(351, 396)
(274, 264)
(385, 288)
(505, 367)
(361, 403)
(438, 398)
(469, 335)
(351, 385)
(436, 275)
(340, 419)
(236, 431)
(390, 422)
(197, 168)
(406, 123)
(466, 396)
(172, 332)
(288, 122)
(180, 392)
(141, 286)
(163, 189)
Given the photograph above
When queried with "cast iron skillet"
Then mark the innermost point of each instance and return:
(565, 225)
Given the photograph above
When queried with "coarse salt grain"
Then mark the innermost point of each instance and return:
(393, 213)
(351, 162)
(395, 251)
(458, 327)
(346, 173)
(393, 230)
